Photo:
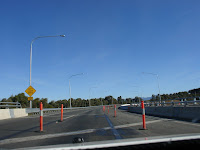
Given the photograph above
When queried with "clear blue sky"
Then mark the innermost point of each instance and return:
(111, 41)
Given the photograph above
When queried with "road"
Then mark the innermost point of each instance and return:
(90, 123)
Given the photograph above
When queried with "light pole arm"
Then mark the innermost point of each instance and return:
(70, 87)
(75, 75)
(31, 50)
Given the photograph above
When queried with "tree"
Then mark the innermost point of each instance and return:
(22, 99)
(36, 103)
(137, 99)
(128, 100)
(119, 99)
(153, 97)
(4, 100)
(109, 99)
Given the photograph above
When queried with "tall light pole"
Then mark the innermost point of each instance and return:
(70, 87)
(157, 81)
(31, 55)
(90, 94)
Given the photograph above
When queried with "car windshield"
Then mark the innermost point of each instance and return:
(80, 71)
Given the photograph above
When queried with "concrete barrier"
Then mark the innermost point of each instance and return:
(12, 113)
(187, 113)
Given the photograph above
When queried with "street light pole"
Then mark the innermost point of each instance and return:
(31, 56)
(90, 95)
(70, 87)
(157, 81)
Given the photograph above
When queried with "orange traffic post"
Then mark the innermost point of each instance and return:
(41, 117)
(104, 108)
(143, 115)
(61, 113)
(115, 111)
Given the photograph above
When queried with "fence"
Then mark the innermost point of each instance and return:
(175, 102)
(10, 105)
(35, 111)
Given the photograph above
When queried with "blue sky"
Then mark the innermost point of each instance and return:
(111, 41)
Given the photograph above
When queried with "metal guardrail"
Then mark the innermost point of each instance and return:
(182, 102)
(9, 105)
(47, 110)
(174, 103)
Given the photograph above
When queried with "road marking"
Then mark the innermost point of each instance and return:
(115, 132)
(139, 123)
(41, 137)
(68, 117)
(187, 123)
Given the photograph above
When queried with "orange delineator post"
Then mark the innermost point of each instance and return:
(41, 117)
(61, 119)
(115, 111)
(143, 115)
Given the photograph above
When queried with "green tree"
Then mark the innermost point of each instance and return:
(119, 99)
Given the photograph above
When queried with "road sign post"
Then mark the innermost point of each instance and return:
(30, 91)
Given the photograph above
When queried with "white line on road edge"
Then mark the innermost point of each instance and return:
(69, 117)
(138, 123)
(41, 137)
(187, 123)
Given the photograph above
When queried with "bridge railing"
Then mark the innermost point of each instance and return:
(176, 102)
(10, 105)
(35, 111)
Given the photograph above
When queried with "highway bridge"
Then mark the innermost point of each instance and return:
(91, 123)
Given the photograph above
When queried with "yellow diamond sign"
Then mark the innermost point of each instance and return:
(30, 91)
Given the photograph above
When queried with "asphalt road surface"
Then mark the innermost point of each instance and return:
(90, 123)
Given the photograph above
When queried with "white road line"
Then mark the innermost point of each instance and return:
(69, 117)
(138, 123)
(40, 137)
(187, 123)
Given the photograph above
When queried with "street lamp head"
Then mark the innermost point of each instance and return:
(62, 35)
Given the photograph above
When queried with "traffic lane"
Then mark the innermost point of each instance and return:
(124, 117)
(25, 126)
(94, 119)
(88, 137)
(127, 125)
(85, 120)
(104, 133)
(157, 126)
